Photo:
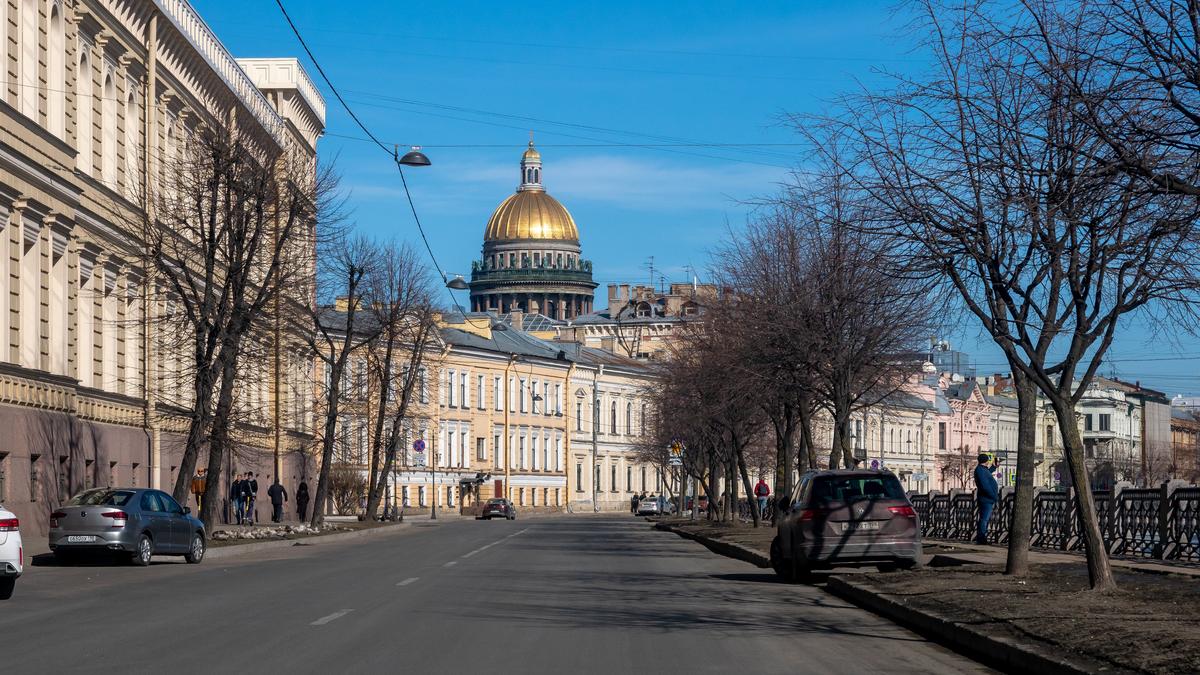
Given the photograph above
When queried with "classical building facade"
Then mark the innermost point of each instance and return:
(94, 95)
(531, 254)
(640, 322)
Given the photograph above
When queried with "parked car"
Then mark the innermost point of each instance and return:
(137, 522)
(498, 508)
(846, 518)
(648, 507)
(12, 553)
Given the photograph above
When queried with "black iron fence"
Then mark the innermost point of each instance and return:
(1162, 523)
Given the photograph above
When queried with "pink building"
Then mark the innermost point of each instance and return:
(963, 425)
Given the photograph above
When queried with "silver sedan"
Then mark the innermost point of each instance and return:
(138, 522)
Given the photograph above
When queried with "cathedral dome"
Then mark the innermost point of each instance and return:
(531, 214)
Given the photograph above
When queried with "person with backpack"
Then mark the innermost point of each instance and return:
(762, 491)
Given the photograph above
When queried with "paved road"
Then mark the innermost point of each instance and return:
(554, 595)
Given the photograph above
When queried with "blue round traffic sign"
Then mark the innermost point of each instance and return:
(874, 464)
(419, 445)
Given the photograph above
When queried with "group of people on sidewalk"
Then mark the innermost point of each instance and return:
(243, 497)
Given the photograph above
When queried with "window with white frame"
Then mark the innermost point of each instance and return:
(423, 383)
(480, 401)
(497, 393)
(533, 451)
(557, 399)
(450, 386)
(523, 399)
(464, 394)
(579, 416)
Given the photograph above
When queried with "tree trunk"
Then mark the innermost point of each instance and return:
(751, 498)
(808, 452)
(198, 428)
(1020, 531)
(327, 442)
(840, 452)
(219, 441)
(1100, 573)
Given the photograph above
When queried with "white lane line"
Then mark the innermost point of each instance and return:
(326, 619)
(516, 533)
(452, 563)
(481, 549)
(408, 581)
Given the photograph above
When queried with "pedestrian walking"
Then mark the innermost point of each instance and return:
(987, 493)
(762, 491)
(244, 488)
(302, 500)
(199, 483)
(236, 505)
(278, 496)
(251, 497)
(633, 504)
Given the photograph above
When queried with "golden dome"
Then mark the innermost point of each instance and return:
(531, 214)
(531, 154)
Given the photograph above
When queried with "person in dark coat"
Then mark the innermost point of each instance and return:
(244, 515)
(278, 496)
(252, 498)
(236, 505)
(302, 500)
(987, 493)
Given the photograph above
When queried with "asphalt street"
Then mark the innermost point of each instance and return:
(557, 595)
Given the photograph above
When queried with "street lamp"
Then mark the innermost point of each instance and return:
(414, 157)
(458, 283)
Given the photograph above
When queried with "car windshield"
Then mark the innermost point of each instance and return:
(101, 498)
(852, 488)
(495, 501)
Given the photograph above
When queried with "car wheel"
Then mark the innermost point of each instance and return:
(196, 551)
(7, 584)
(145, 549)
(784, 569)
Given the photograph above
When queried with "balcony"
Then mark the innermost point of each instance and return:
(581, 274)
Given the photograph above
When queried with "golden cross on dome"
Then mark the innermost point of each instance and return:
(531, 138)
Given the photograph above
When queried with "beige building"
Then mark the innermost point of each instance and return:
(640, 322)
(94, 93)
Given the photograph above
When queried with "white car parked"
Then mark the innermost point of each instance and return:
(12, 554)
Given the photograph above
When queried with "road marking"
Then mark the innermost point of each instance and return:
(407, 581)
(452, 563)
(481, 549)
(516, 533)
(326, 619)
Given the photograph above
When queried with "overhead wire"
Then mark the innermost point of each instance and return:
(393, 153)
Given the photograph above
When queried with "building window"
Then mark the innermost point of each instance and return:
(479, 399)
(578, 477)
(612, 486)
(613, 426)
(628, 419)
(84, 103)
(1105, 422)
(423, 384)
(643, 420)
(450, 382)
(496, 448)
(497, 394)
(557, 399)
(523, 399)
(1087, 422)
(579, 416)
(643, 479)
(480, 449)
(629, 479)
(521, 454)
(56, 74)
(941, 435)
(421, 495)
(463, 399)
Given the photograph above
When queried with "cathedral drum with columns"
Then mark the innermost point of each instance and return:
(531, 255)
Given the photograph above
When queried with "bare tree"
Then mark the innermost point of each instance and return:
(984, 173)
(401, 308)
(338, 327)
(234, 222)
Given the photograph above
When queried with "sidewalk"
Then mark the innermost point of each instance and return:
(1047, 622)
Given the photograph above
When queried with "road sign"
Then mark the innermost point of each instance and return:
(419, 445)
(419, 460)
(920, 476)
(676, 449)
(674, 461)
(874, 464)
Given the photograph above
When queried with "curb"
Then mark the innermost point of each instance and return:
(725, 548)
(995, 651)
(234, 550)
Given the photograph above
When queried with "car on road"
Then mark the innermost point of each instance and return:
(12, 553)
(136, 522)
(498, 508)
(648, 507)
(846, 518)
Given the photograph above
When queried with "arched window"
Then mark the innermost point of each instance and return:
(28, 49)
(108, 133)
(628, 419)
(132, 173)
(614, 418)
(84, 105)
(56, 75)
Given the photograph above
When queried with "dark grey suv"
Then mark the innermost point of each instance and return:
(135, 521)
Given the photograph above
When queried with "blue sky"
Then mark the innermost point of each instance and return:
(594, 81)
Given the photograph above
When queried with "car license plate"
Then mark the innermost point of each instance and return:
(862, 527)
(80, 539)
